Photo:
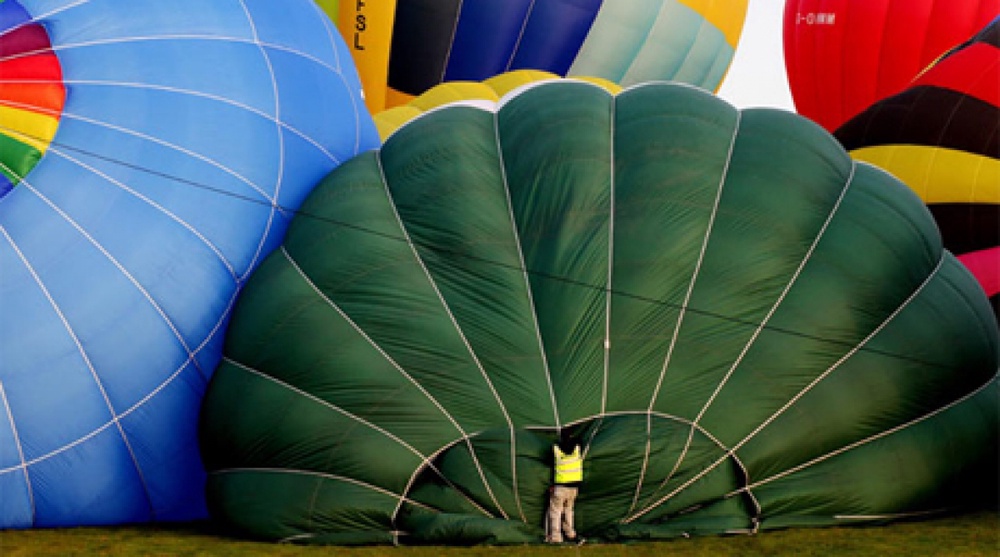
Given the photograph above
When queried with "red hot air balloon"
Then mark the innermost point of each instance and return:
(844, 55)
(941, 136)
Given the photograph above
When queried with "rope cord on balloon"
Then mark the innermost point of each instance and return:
(798, 396)
(608, 288)
(458, 329)
(531, 302)
(426, 461)
(684, 305)
(17, 443)
(820, 234)
(397, 367)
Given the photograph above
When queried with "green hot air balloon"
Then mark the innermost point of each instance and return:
(746, 329)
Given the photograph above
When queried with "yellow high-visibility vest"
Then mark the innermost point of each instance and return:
(569, 467)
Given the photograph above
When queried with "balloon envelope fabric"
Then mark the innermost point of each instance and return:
(405, 47)
(844, 55)
(941, 137)
(190, 132)
(744, 328)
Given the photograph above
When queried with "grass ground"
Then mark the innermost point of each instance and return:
(969, 535)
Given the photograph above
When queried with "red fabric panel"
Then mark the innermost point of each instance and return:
(975, 71)
(873, 48)
(905, 28)
(33, 83)
(985, 265)
(30, 38)
(953, 18)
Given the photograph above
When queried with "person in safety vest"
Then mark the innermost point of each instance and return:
(562, 495)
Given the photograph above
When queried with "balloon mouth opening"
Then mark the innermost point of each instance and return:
(32, 94)
(458, 481)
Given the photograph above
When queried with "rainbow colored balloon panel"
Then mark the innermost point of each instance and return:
(32, 94)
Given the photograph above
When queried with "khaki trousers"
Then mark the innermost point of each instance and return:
(560, 515)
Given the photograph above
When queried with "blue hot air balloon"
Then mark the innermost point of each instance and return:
(190, 131)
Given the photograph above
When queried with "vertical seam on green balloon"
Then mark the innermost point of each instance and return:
(524, 269)
(416, 255)
(520, 255)
(763, 324)
(451, 41)
(115, 417)
(426, 461)
(684, 305)
(608, 290)
(17, 442)
(801, 393)
(520, 36)
(612, 130)
(867, 440)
